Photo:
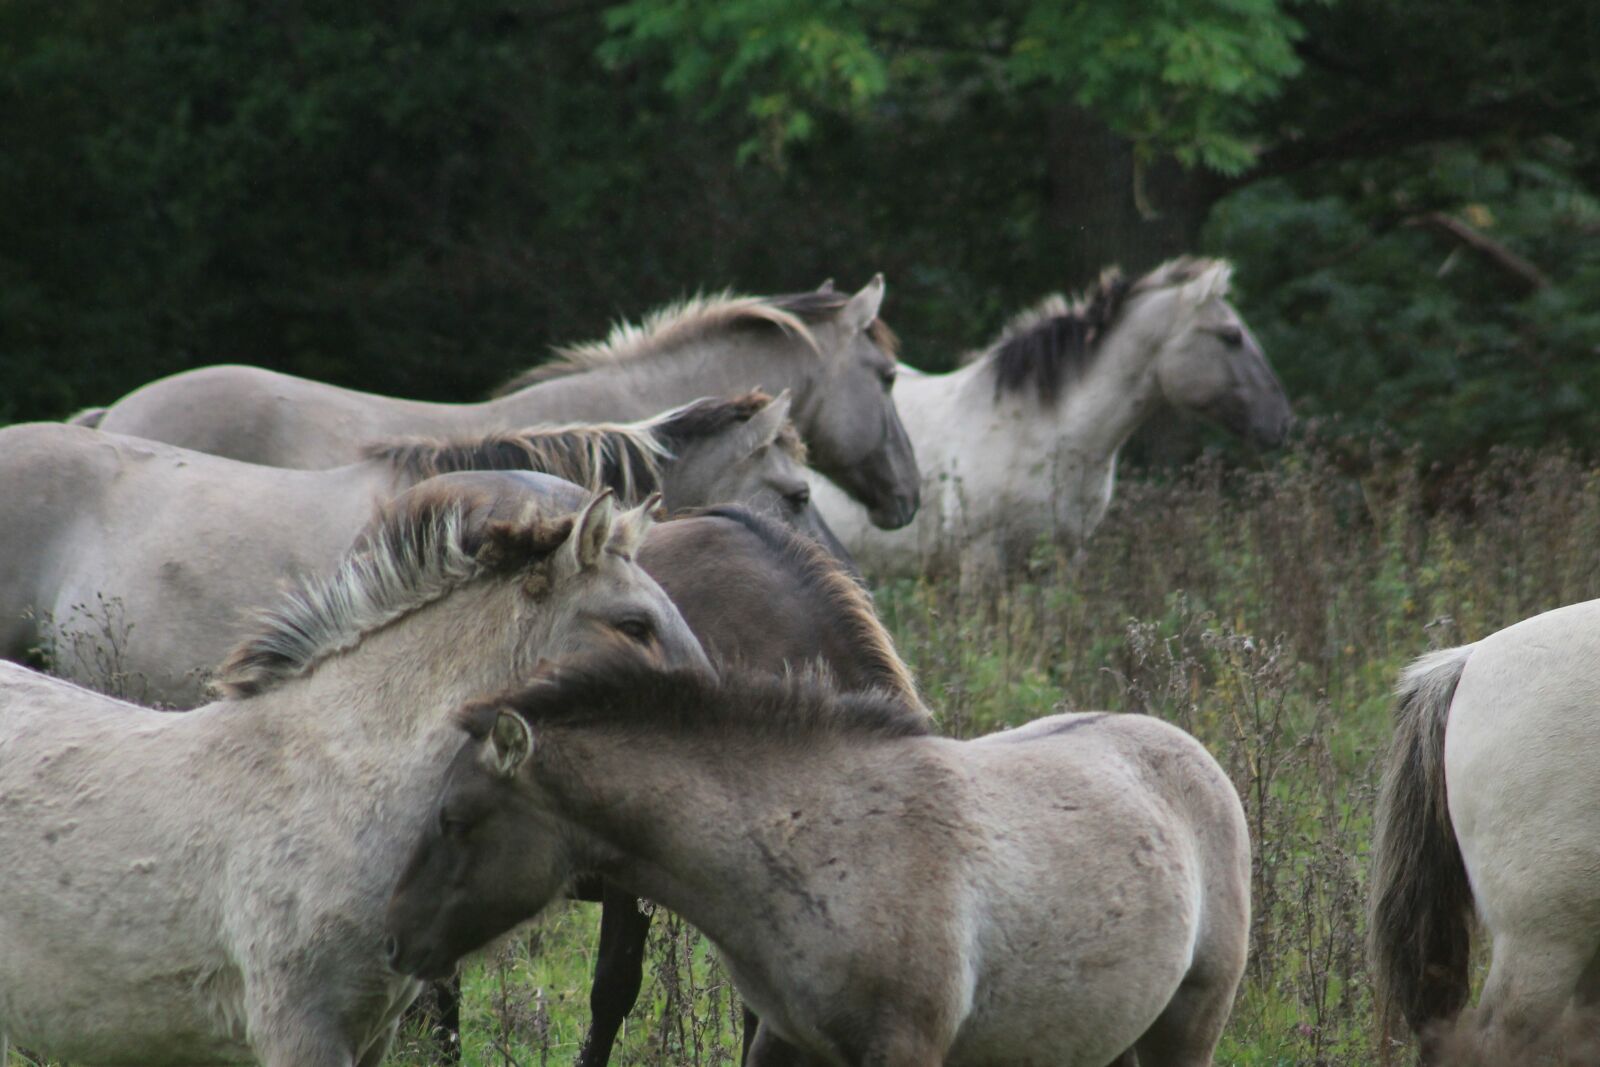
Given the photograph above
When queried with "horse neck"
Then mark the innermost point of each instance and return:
(637, 388)
(769, 820)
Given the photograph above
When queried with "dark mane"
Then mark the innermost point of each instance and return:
(815, 570)
(621, 690)
(1056, 341)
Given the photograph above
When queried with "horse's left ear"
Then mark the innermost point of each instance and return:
(1211, 283)
(862, 308)
(765, 425)
(632, 526)
(825, 287)
(591, 532)
(510, 743)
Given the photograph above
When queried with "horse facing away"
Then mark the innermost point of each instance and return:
(830, 350)
(1022, 442)
(209, 887)
(1059, 893)
(130, 561)
(1490, 802)
(756, 595)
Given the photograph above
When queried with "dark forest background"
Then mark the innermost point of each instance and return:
(419, 197)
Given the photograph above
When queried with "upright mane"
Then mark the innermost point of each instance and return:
(691, 320)
(621, 690)
(626, 458)
(1055, 342)
(814, 569)
(418, 548)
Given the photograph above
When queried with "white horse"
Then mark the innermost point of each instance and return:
(1021, 443)
(830, 350)
(132, 563)
(209, 886)
(1490, 802)
(1059, 893)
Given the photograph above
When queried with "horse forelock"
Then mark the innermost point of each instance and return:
(417, 549)
(813, 568)
(621, 689)
(666, 328)
(623, 457)
(1056, 340)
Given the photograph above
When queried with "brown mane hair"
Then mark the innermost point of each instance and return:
(418, 548)
(622, 690)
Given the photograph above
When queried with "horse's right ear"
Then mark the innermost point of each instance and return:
(509, 744)
(858, 314)
(590, 532)
(825, 287)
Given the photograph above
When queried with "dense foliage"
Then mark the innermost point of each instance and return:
(419, 198)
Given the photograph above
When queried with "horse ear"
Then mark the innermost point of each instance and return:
(633, 525)
(1212, 282)
(510, 742)
(765, 425)
(862, 308)
(826, 287)
(590, 534)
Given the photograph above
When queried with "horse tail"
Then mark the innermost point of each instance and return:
(1419, 934)
(89, 417)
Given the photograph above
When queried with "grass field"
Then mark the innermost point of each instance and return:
(1265, 611)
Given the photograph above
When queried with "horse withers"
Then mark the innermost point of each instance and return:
(1062, 892)
(209, 887)
(1489, 809)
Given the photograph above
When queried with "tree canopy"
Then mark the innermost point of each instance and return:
(420, 198)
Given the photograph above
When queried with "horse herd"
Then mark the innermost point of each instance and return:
(439, 664)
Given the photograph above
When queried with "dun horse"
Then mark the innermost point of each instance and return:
(829, 350)
(1058, 893)
(760, 597)
(1022, 443)
(209, 887)
(1489, 804)
(130, 561)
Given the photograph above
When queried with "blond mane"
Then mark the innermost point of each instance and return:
(419, 548)
(665, 328)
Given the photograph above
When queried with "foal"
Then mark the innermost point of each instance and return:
(1060, 893)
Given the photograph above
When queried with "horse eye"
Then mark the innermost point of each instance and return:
(888, 374)
(799, 498)
(453, 827)
(1231, 335)
(636, 630)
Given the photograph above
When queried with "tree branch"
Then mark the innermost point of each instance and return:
(1517, 267)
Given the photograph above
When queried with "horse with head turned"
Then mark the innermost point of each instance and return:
(209, 886)
(1021, 443)
(830, 350)
(128, 561)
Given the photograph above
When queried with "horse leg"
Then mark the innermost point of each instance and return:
(1531, 983)
(1186, 1032)
(752, 1023)
(767, 1049)
(618, 972)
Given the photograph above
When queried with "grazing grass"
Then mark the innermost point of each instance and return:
(1267, 612)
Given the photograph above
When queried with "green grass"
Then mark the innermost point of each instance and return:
(1265, 611)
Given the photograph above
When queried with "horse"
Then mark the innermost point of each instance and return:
(129, 561)
(829, 349)
(760, 596)
(209, 886)
(1488, 804)
(1061, 892)
(1021, 443)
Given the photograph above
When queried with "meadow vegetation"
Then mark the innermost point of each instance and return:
(1266, 610)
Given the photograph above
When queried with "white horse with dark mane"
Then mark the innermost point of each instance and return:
(829, 350)
(209, 886)
(1021, 443)
(131, 564)
(1490, 809)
